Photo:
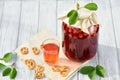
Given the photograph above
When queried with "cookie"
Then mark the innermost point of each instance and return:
(64, 73)
(39, 75)
(62, 69)
(24, 50)
(39, 68)
(39, 72)
(30, 63)
(35, 50)
(56, 68)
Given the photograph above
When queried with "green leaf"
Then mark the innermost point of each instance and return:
(100, 71)
(70, 13)
(92, 74)
(87, 69)
(73, 18)
(78, 6)
(1, 59)
(6, 71)
(7, 57)
(13, 73)
(91, 6)
(2, 66)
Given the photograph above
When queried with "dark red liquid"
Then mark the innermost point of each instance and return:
(78, 45)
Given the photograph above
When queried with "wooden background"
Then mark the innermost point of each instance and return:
(21, 19)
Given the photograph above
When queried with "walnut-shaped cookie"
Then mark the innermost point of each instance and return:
(39, 75)
(62, 69)
(39, 72)
(35, 50)
(30, 63)
(24, 50)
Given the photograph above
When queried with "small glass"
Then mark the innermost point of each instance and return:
(50, 49)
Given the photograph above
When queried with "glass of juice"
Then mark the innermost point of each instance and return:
(50, 50)
(78, 45)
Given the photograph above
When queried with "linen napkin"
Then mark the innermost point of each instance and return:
(36, 41)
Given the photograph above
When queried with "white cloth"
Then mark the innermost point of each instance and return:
(36, 41)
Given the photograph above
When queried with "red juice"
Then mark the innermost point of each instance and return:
(78, 45)
(51, 52)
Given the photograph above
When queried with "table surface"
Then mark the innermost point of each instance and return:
(21, 19)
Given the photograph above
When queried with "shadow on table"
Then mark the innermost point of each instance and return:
(109, 57)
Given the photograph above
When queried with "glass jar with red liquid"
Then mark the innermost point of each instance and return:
(78, 45)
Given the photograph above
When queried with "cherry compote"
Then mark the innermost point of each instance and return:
(78, 45)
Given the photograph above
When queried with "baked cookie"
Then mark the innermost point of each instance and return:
(24, 50)
(30, 63)
(56, 68)
(35, 50)
(39, 72)
(64, 73)
(39, 68)
(39, 75)
(62, 69)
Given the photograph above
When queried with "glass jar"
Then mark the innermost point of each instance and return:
(78, 45)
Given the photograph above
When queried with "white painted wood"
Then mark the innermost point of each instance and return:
(47, 15)
(9, 28)
(63, 6)
(107, 53)
(28, 27)
(1, 16)
(28, 20)
(115, 7)
(104, 14)
(1, 9)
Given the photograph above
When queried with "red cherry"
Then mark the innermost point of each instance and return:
(70, 30)
(76, 31)
(70, 35)
(80, 36)
(85, 34)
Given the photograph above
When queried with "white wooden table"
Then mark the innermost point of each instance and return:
(21, 19)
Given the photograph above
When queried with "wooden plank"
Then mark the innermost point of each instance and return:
(47, 18)
(28, 27)
(115, 6)
(1, 9)
(104, 36)
(1, 17)
(28, 21)
(63, 6)
(107, 53)
(115, 10)
(8, 27)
